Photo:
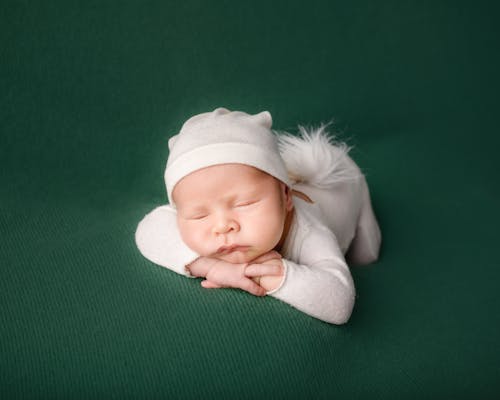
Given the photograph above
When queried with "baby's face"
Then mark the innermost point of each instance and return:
(232, 212)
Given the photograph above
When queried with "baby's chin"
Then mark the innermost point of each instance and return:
(239, 257)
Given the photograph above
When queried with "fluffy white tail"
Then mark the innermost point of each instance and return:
(315, 158)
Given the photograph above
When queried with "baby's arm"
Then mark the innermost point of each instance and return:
(315, 290)
(159, 240)
(319, 283)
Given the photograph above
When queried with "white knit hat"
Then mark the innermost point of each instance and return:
(223, 137)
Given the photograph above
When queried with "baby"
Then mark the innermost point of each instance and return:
(265, 213)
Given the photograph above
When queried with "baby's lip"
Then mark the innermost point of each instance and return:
(230, 249)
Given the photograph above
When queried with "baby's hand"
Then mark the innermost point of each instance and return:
(200, 267)
(242, 276)
(268, 281)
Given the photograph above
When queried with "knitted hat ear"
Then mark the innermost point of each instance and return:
(263, 118)
(171, 142)
(220, 111)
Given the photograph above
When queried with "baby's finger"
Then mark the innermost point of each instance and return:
(254, 270)
(251, 287)
(210, 285)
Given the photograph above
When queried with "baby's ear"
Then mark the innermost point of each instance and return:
(263, 118)
(287, 192)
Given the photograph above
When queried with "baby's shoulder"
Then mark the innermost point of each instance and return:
(311, 239)
(308, 214)
(309, 221)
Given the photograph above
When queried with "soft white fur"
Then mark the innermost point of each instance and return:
(315, 158)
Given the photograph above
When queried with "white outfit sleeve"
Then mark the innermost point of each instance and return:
(159, 240)
(320, 283)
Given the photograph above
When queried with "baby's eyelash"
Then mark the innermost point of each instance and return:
(245, 203)
(197, 217)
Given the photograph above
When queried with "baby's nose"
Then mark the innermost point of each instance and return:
(225, 224)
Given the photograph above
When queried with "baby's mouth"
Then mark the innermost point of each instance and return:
(230, 249)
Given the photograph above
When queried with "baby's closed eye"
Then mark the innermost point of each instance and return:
(245, 203)
(197, 217)
(194, 215)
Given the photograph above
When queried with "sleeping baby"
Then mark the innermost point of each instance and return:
(268, 213)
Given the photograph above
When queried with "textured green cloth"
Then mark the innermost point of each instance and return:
(89, 94)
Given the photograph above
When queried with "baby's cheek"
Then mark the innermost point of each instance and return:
(191, 236)
(271, 234)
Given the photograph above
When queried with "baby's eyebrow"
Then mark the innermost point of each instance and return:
(244, 196)
(193, 207)
(250, 192)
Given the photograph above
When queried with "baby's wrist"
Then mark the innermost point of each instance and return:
(271, 282)
(199, 267)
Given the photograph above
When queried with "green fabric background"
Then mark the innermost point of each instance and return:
(90, 91)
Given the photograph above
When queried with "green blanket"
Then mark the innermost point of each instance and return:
(91, 91)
